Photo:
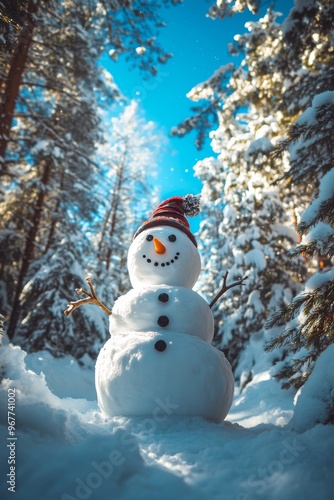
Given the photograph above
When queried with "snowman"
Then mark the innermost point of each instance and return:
(159, 354)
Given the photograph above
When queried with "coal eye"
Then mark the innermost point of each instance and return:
(149, 237)
(172, 237)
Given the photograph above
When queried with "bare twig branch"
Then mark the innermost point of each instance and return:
(91, 298)
(226, 287)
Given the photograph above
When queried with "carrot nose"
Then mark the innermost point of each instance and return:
(159, 247)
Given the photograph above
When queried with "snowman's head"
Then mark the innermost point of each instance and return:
(163, 255)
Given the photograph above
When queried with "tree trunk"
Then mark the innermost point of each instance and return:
(13, 81)
(28, 251)
(103, 232)
(55, 215)
(114, 209)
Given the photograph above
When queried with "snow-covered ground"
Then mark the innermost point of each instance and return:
(65, 449)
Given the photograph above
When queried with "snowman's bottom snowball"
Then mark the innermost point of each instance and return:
(189, 377)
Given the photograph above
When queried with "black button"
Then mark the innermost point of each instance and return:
(163, 297)
(160, 345)
(163, 321)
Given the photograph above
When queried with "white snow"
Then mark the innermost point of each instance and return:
(320, 231)
(323, 98)
(206, 90)
(256, 258)
(140, 50)
(299, 6)
(261, 144)
(254, 300)
(66, 378)
(309, 115)
(317, 395)
(41, 145)
(326, 192)
(318, 280)
(67, 450)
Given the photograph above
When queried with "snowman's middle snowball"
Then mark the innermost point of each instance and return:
(165, 308)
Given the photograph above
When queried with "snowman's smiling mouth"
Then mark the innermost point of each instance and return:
(162, 264)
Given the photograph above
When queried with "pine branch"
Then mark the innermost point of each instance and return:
(91, 298)
(57, 88)
(54, 135)
(227, 287)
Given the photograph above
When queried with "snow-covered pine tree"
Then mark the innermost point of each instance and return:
(227, 8)
(282, 68)
(12, 19)
(17, 24)
(122, 28)
(251, 240)
(48, 165)
(308, 319)
(308, 52)
(251, 220)
(128, 158)
(46, 295)
(51, 147)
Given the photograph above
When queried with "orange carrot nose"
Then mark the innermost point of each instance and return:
(159, 247)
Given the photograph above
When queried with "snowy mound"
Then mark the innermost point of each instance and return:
(67, 450)
(315, 400)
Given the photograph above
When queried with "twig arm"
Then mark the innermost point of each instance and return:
(91, 298)
(226, 287)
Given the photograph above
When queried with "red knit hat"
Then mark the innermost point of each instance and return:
(172, 212)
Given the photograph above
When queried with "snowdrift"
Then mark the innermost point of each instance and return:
(65, 449)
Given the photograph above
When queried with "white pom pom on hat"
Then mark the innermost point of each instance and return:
(172, 212)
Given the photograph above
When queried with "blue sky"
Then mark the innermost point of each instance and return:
(199, 47)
